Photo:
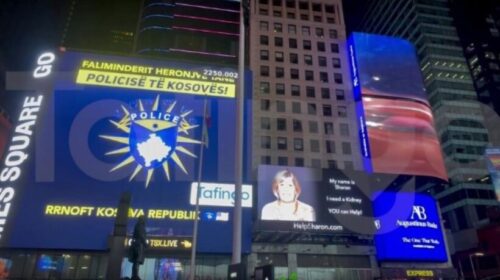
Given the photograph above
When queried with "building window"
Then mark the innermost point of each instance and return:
(295, 90)
(330, 146)
(328, 128)
(313, 127)
(292, 29)
(316, 7)
(344, 129)
(263, 12)
(311, 108)
(290, 15)
(303, 5)
(263, 2)
(307, 44)
(276, 13)
(304, 17)
(308, 60)
(281, 124)
(336, 62)
(279, 56)
(339, 94)
(346, 148)
(310, 92)
(323, 76)
(334, 48)
(333, 33)
(277, 3)
(265, 142)
(321, 46)
(264, 40)
(264, 88)
(318, 19)
(265, 159)
(294, 58)
(283, 161)
(337, 77)
(264, 55)
(325, 93)
(342, 111)
(292, 43)
(264, 71)
(332, 163)
(329, 9)
(348, 165)
(278, 27)
(265, 104)
(280, 72)
(309, 75)
(264, 26)
(314, 146)
(278, 42)
(297, 126)
(294, 74)
(280, 89)
(306, 31)
(296, 108)
(265, 123)
(299, 162)
(322, 61)
(290, 3)
(280, 106)
(330, 20)
(319, 32)
(327, 110)
(282, 143)
(298, 144)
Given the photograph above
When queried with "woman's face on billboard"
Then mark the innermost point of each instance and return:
(286, 190)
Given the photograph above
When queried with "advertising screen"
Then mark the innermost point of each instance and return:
(413, 233)
(395, 121)
(312, 201)
(493, 161)
(115, 125)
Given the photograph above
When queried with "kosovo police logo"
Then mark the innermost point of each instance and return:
(153, 138)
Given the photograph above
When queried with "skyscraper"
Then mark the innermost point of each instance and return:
(302, 112)
(303, 115)
(459, 120)
(202, 31)
(103, 26)
(478, 25)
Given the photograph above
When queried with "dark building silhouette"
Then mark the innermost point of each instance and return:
(189, 30)
(103, 26)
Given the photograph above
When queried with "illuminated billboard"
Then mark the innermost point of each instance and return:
(413, 233)
(493, 161)
(396, 126)
(114, 125)
(309, 200)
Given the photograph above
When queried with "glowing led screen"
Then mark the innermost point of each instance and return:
(117, 124)
(395, 121)
(412, 233)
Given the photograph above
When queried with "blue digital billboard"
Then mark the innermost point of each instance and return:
(115, 125)
(413, 233)
(395, 121)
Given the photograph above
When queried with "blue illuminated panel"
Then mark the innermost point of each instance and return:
(413, 233)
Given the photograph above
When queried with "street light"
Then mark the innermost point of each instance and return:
(477, 254)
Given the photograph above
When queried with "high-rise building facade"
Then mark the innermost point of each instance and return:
(202, 31)
(478, 25)
(103, 26)
(458, 115)
(303, 113)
